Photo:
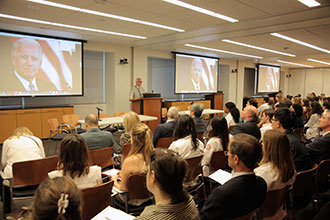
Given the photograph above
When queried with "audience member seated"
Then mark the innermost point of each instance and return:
(276, 166)
(249, 116)
(264, 105)
(313, 122)
(164, 180)
(130, 119)
(94, 137)
(136, 162)
(252, 102)
(298, 112)
(73, 162)
(186, 144)
(283, 121)
(196, 111)
(265, 123)
(306, 109)
(319, 149)
(166, 129)
(21, 146)
(245, 191)
(57, 198)
(218, 141)
(232, 112)
(326, 105)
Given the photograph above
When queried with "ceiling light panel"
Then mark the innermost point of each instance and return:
(300, 42)
(222, 51)
(310, 3)
(296, 64)
(112, 16)
(70, 26)
(319, 61)
(257, 48)
(201, 10)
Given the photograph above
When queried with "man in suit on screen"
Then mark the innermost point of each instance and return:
(195, 82)
(26, 59)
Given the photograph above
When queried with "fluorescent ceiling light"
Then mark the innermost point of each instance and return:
(222, 51)
(201, 10)
(319, 61)
(69, 26)
(258, 48)
(300, 42)
(309, 3)
(297, 64)
(58, 5)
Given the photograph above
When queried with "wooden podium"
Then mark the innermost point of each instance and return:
(149, 106)
(216, 100)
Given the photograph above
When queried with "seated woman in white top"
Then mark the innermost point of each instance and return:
(276, 166)
(73, 162)
(186, 145)
(232, 112)
(313, 123)
(218, 141)
(21, 146)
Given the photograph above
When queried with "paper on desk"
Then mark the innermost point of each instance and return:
(112, 172)
(110, 213)
(220, 176)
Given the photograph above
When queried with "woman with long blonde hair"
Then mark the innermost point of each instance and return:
(277, 166)
(137, 160)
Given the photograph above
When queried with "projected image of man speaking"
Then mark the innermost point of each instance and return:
(27, 58)
(195, 83)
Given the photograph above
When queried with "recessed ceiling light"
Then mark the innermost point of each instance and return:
(201, 10)
(222, 51)
(58, 5)
(300, 42)
(297, 64)
(319, 61)
(69, 26)
(309, 3)
(258, 48)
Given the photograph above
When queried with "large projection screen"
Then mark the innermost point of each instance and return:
(40, 66)
(268, 78)
(196, 74)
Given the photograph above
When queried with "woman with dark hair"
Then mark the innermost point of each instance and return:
(298, 111)
(313, 123)
(233, 114)
(306, 110)
(165, 181)
(276, 166)
(218, 141)
(73, 162)
(186, 142)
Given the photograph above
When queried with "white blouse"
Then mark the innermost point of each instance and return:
(213, 145)
(184, 147)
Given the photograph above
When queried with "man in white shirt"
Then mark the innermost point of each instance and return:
(266, 121)
(137, 90)
(264, 105)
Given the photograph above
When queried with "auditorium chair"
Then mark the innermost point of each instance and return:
(164, 142)
(191, 181)
(101, 157)
(72, 121)
(219, 161)
(57, 131)
(126, 149)
(322, 183)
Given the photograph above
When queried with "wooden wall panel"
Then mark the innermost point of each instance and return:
(8, 120)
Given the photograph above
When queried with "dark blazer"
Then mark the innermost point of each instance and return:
(163, 130)
(248, 127)
(319, 149)
(96, 139)
(11, 82)
(189, 86)
(301, 157)
(237, 197)
(199, 124)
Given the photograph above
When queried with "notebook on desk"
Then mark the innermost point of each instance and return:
(110, 213)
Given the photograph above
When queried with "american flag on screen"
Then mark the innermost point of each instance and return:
(56, 64)
(208, 74)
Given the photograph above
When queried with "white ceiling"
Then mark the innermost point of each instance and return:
(257, 19)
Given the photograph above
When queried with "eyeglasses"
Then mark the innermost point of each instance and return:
(226, 153)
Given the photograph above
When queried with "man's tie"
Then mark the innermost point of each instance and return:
(139, 91)
(32, 87)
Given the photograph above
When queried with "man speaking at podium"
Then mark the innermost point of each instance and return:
(137, 90)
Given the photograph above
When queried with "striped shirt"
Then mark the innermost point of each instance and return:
(184, 210)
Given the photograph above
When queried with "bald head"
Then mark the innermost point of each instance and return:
(249, 113)
(91, 121)
(172, 113)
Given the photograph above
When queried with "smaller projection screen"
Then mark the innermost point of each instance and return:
(33, 65)
(268, 78)
(196, 74)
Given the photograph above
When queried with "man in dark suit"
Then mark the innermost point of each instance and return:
(249, 116)
(245, 191)
(196, 111)
(166, 129)
(283, 121)
(319, 149)
(26, 58)
(94, 137)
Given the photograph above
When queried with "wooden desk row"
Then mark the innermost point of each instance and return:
(35, 119)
